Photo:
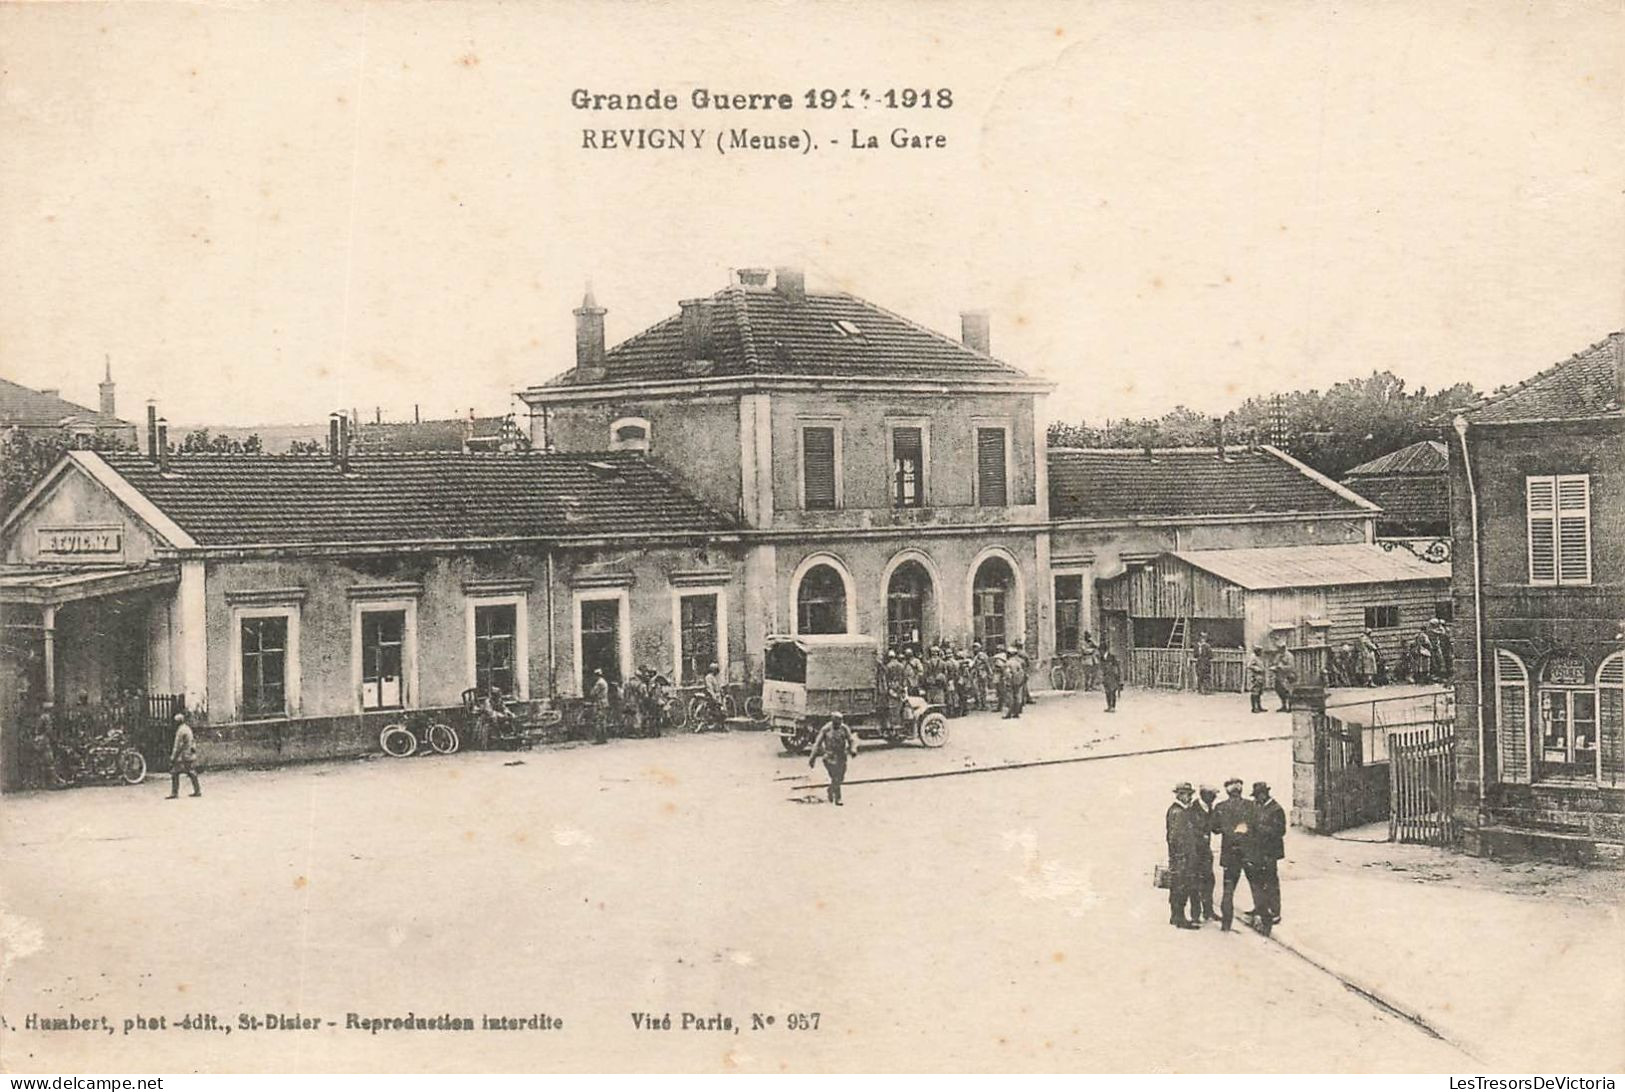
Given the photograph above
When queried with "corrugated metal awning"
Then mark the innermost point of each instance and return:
(1314, 566)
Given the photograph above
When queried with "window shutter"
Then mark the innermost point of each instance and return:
(990, 466)
(1512, 717)
(1573, 529)
(1611, 717)
(1540, 494)
(818, 466)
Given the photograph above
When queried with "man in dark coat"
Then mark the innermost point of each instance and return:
(1233, 819)
(1182, 851)
(834, 743)
(1203, 824)
(1263, 852)
(1111, 677)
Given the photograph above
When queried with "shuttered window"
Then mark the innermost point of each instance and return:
(990, 490)
(907, 458)
(818, 467)
(1512, 717)
(1559, 520)
(1611, 718)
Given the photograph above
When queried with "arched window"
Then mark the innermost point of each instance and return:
(821, 601)
(629, 434)
(991, 594)
(908, 605)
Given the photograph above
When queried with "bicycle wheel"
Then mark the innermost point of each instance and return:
(754, 709)
(730, 707)
(132, 767)
(698, 713)
(1057, 677)
(443, 738)
(397, 742)
(677, 713)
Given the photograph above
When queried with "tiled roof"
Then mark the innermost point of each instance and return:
(1585, 385)
(1314, 566)
(29, 408)
(1422, 457)
(1090, 483)
(241, 500)
(760, 331)
(1408, 499)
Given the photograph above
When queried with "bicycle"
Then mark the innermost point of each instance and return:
(403, 740)
(1063, 673)
(106, 758)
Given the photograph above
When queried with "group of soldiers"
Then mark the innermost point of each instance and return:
(959, 679)
(1252, 836)
(1424, 657)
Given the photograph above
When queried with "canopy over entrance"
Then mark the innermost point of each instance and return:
(54, 585)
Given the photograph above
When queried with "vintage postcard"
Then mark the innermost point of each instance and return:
(812, 537)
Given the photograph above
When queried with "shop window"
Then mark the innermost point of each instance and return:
(1385, 616)
(821, 601)
(496, 632)
(1567, 711)
(265, 666)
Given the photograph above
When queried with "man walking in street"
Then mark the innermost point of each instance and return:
(1089, 657)
(1015, 668)
(183, 759)
(1264, 849)
(1181, 836)
(1204, 665)
(1111, 677)
(834, 743)
(598, 706)
(1255, 680)
(1233, 820)
(1026, 673)
(1203, 824)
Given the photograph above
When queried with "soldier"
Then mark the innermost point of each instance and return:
(1111, 677)
(1089, 657)
(1233, 820)
(1422, 655)
(1015, 667)
(1026, 673)
(834, 744)
(896, 686)
(1255, 680)
(634, 702)
(1262, 853)
(47, 767)
(716, 714)
(1368, 659)
(1286, 676)
(1203, 824)
(182, 759)
(598, 706)
(1204, 665)
(981, 670)
(1443, 651)
(1181, 855)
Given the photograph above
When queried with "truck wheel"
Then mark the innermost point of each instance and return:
(934, 730)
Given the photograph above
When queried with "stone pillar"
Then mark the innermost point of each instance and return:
(1308, 794)
(193, 627)
(761, 605)
(48, 622)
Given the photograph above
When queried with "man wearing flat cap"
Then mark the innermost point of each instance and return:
(1264, 850)
(1182, 853)
(1233, 818)
(1203, 824)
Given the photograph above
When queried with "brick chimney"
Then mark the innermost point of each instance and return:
(791, 283)
(752, 277)
(696, 330)
(106, 389)
(163, 446)
(152, 431)
(975, 332)
(589, 340)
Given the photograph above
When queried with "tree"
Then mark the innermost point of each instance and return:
(26, 458)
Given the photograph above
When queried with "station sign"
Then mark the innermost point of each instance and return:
(99, 542)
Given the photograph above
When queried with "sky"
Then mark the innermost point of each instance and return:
(264, 213)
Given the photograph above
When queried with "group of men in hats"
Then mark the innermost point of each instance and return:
(1252, 835)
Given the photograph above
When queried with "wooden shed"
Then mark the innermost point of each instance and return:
(1306, 598)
